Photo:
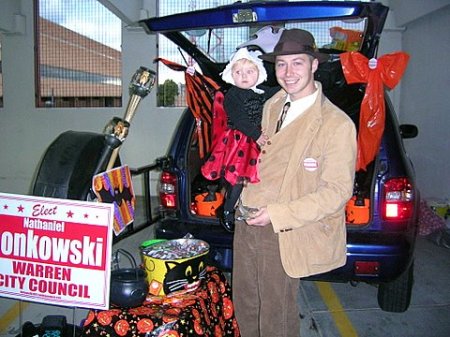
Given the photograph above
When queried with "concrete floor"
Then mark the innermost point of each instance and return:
(346, 311)
(427, 316)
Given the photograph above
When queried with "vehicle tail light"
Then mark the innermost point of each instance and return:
(398, 203)
(168, 190)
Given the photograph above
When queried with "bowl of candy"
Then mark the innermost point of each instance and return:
(175, 265)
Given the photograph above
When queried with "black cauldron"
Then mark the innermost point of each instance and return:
(129, 286)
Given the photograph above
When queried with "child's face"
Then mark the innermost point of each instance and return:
(245, 74)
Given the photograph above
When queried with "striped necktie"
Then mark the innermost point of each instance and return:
(283, 116)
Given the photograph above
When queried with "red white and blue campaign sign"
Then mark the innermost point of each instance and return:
(55, 251)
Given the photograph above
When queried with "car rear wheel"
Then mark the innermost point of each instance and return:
(395, 296)
(68, 165)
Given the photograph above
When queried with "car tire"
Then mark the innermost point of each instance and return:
(68, 165)
(395, 296)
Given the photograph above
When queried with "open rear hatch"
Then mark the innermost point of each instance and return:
(206, 38)
(254, 15)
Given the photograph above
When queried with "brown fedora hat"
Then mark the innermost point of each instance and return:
(295, 41)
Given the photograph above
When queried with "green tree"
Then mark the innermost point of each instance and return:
(167, 92)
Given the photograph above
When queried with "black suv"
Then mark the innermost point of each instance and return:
(382, 216)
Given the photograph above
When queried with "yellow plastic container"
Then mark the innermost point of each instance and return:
(438, 206)
(174, 265)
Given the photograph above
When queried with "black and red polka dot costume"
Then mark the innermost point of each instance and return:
(234, 154)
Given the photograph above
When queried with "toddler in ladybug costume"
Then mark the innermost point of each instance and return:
(237, 135)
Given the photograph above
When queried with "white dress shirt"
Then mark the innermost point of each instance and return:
(298, 107)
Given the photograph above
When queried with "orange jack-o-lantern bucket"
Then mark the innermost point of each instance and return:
(205, 205)
(357, 211)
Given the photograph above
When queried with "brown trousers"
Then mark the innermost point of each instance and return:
(265, 297)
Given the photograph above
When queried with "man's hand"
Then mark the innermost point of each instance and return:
(260, 218)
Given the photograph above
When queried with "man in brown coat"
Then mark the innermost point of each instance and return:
(306, 171)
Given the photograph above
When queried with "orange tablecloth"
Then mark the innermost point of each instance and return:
(206, 312)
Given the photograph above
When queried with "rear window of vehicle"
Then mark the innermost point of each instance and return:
(219, 45)
(336, 36)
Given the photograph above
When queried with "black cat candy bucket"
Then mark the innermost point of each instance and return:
(174, 265)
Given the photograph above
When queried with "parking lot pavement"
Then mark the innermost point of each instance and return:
(328, 310)
(353, 311)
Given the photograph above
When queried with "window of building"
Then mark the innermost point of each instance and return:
(78, 54)
(171, 83)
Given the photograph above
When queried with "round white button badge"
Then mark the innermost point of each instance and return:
(310, 164)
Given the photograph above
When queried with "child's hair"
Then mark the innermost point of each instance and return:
(244, 55)
(243, 61)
